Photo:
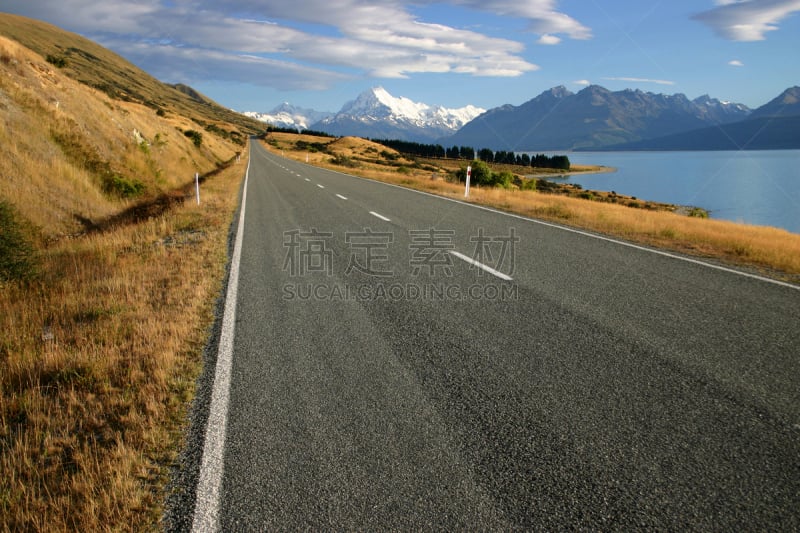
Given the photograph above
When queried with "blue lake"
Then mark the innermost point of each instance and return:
(758, 187)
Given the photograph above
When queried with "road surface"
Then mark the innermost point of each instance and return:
(380, 380)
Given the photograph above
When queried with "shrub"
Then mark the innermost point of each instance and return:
(344, 161)
(481, 174)
(528, 184)
(57, 61)
(503, 179)
(195, 136)
(17, 255)
(117, 185)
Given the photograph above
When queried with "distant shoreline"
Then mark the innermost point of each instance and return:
(575, 170)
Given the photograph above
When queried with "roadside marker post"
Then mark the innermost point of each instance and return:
(197, 186)
(469, 174)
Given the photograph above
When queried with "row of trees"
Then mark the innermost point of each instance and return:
(467, 152)
(525, 160)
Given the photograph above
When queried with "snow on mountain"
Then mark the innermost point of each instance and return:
(289, 116)
(377, 114)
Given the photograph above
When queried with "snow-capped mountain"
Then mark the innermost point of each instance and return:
(289, 116)
(719, 111)
(378, 114)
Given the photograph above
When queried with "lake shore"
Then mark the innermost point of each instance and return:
(769, 251)
(575, 170)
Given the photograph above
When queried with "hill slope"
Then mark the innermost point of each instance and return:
(71, 154)
(93, 65)
(107, 277)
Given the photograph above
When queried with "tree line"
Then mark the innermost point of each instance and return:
(437, 151)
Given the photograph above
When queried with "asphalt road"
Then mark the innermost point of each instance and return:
(379, 381)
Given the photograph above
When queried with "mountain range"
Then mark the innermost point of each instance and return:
(560, 120)
(288, 116)
(376, 114)
(593, 118)
(773, 126)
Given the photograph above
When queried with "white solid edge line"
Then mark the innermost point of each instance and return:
(378, 215)
(587, 234)
(209, 485)
(342, 197)
(580, 232)
(480, 265)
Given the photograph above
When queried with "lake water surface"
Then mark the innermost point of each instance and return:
(756, 187)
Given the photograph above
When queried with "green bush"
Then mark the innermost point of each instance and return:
(528, 184)
(123, 187)
(481, 174)
(344, 161)
(503, 179)
(57, 61)
(195, 136)
(17, 254)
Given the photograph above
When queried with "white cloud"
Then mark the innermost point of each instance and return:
(542, 15)
(582, 82)
(548, 39)
(747, 20)
(736, 63)
(192, 65)
(641, 80)
(315, 39)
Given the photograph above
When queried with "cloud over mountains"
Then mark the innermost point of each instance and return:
(308, 44)
(747, 20)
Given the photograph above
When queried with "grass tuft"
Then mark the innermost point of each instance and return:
(18, 260)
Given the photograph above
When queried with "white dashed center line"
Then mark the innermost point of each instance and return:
(373, 213)
(480, 265)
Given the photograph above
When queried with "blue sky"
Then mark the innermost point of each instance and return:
(254, 54)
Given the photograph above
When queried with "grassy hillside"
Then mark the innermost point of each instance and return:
(108, 274)
(98, 67)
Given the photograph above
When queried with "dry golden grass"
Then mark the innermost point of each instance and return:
(40, 105)
(98, 365)
(100, 350)
(772, 251)
(92, 65)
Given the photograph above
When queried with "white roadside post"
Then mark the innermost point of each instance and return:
(197, 186)
(469, 174)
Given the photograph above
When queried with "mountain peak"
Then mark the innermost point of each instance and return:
(787, 104)
(560, 91)
(377, 113)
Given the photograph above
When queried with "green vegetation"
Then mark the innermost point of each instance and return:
(482, 175)
(122, 187)
(57, 61)
(436, 151)
(344, 161)
(195, 136)
(312, 147)
(17, 253)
